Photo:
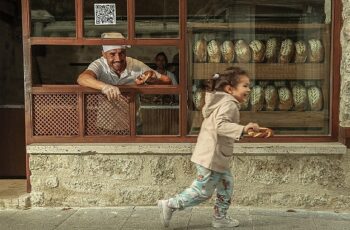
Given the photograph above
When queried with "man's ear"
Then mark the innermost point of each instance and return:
(103, 54)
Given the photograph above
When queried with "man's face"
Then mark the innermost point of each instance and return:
(116, 59)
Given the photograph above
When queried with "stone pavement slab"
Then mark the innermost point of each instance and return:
(36, 218)
(282, 223)
(322, 224)
(97, 218)
(131, 217)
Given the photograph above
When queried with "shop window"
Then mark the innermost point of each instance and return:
(285, 47)
(157, 19)
(52, 18)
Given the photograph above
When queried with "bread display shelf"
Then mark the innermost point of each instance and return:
(276, 119)
(268, 71)
(222, 26)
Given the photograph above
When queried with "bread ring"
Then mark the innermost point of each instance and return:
(148, 77)
(262, 133)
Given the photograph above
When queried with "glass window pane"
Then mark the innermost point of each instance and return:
(157, 114)
(157, 19)
(101, 16)
(51, 18)
(284, 47)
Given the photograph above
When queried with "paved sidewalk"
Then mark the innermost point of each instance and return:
(148, 218)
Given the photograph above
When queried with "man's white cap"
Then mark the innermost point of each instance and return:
(112, 47)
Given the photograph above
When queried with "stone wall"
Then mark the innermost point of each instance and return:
(344, 113)
(290, 176)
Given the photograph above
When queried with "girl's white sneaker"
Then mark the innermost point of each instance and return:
(224, 222)
(165, 212)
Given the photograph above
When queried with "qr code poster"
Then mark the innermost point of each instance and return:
(105, 14)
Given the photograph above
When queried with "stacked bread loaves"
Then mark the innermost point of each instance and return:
(315, 98)
(299, 97)
(285, 99)
(300, 52)
(200, 50)
(316, 51)
(286, 51)
(271, 97)
(272, 49)
(242, 50)
(214, 53)
(258, 50)
(228, 51)
(257, 98)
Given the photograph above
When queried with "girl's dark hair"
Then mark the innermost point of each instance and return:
(231, 76)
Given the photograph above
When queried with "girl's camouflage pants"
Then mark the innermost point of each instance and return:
(203, 188)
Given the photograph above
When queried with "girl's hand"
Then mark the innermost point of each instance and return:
(254, 126)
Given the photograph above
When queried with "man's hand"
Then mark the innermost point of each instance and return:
(148, 77)
(112, 92)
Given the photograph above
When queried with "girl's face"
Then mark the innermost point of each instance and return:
(241, 91)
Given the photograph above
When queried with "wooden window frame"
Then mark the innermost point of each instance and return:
(181, 89)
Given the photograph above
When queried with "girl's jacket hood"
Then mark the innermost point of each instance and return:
(214, 99)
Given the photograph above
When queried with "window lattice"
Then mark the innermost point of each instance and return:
(106, 118)
(55, 115)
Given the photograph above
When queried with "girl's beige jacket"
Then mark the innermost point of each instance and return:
(220, 129)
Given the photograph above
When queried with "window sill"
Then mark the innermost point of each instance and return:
(320, 148)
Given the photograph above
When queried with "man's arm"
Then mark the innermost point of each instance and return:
(154, 78)
(89, 79)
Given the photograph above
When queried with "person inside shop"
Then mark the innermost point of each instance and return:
(161, 61)
(114, 67)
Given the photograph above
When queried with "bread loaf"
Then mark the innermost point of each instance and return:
(242, 51)
(300, 52)
(257, 98)
(286, 51)
(285, 99)
(214, 53)
(316, 51)
(315, 98)
(227, 51)
(258, 50)
(272, 49)
(262, 133)
(271, 97)
(199, 99)
(299, 97)
(200, 50)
